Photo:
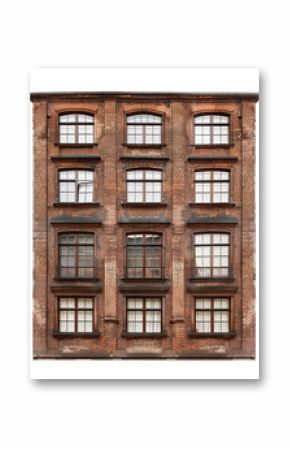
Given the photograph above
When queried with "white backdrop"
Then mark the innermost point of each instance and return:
(112, 34)
(141, 79)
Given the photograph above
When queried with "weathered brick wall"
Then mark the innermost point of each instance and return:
(175, 159)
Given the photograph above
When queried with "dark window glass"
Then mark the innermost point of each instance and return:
(144, 256)
(76, 256)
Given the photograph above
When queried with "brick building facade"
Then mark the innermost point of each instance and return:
(144, 225)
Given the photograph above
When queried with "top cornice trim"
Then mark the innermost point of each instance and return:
(34, 96)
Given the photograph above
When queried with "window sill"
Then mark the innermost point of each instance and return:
(146, 280)
(144, 145)
(212, 279)
(126, 334)
(212, 204)
(215, 145)
(58, 334)
(63, 204)
(59, 279)
(76, 145)
(127, 204)
(209, 335)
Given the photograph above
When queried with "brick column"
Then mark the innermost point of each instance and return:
(178, 228)
(40, 228)
(248, 228)
(110, 224)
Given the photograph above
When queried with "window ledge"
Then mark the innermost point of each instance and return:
(212, 204)
(146, 280)
(144, 145)
(58, 334)
(76, 145)
(209, 335)
(77, 157)
(143, 335)
(59, 279)
(63, 204)
(127, 204)
(215, 145)
(212, 157)
(212, 279)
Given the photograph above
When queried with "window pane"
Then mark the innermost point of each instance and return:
(202, 304)
(135, 321)
(143, 118)
(66, 303)
(67, 118)
(202, 321)
(135, 303)
(153, 303)
(202, 119)
(85, 303)
(220, 119)
(85, 118)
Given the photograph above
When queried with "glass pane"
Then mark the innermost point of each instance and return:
(67, 174)
(153, 303)
(220, 238)
(202, 119)
(220, 119)
(67, 118)
(135, 303)
(202, 239)
(143, 118)
(134, 239)
(85, 239)
(202, 304)
(131, 174)
(66, 303)
(85, 118)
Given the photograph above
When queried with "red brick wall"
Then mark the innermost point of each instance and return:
(110, 192)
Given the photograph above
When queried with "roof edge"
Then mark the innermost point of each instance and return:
(250, 96)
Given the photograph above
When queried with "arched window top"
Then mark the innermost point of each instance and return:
(207, 119)
(144, 174)
(76, 117)
(144, 118)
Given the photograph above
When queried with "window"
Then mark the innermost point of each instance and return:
(212, 315)
(75, 186)
(144, 256)
(144, 315)
(211, 129)
(76, 256)
(76, 128)
(212, 186)
(144, 129)
(75, 315)
(211, 255)
(144, 186)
